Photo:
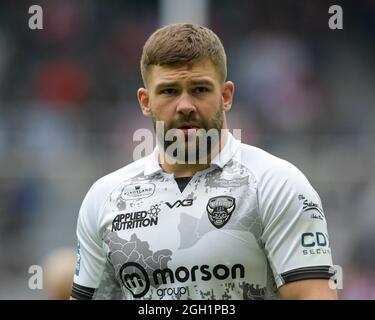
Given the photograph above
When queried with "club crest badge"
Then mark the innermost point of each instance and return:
(220, 210)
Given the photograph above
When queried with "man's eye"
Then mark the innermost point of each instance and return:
(200, 90)
(169, 91)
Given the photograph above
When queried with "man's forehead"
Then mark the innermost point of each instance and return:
(203, 70)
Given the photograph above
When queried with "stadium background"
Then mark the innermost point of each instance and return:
(68, 111)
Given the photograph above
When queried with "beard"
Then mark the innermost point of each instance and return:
(198, 144)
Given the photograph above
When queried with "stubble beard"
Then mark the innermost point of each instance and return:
(210, 131)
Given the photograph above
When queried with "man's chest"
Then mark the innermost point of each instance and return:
(209, 232)
(211, 203)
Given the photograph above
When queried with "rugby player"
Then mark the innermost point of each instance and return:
(236, 223)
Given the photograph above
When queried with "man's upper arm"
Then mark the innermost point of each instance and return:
(311, 289)
(295, 232)
(91, 257)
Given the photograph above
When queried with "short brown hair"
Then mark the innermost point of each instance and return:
(183, 43)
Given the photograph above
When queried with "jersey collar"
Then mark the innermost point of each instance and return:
(227, 153)
(221, 159)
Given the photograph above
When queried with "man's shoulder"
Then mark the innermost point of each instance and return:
(101, 189)
(263, 163)
(107, 183)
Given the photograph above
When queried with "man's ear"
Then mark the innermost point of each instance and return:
(227, 95)
(144, 101)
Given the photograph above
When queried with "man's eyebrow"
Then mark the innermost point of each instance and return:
(195, 82)
(166, 84)
(201, 82)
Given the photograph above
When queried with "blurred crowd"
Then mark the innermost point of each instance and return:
(68, 111)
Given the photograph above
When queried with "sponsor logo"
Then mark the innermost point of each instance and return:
(315, 211)
(136, 282)
(172, 292)
(137, 219)
(180, 203)
(252, 291)
(136, 191)
(135, 278)
(220, 210)
(315, 243)
(226, 183)
(78, 265)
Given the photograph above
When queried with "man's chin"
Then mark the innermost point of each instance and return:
(195, 149)
(190, 153)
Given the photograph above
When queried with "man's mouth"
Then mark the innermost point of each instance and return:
(188, 128)
(188, 125)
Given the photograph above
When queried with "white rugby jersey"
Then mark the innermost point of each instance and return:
(240, 229)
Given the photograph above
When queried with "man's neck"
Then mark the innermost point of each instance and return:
(186, 169)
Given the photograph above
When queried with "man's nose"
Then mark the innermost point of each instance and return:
(185, 105)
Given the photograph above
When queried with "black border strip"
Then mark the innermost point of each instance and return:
(82, 293)
(316, 272)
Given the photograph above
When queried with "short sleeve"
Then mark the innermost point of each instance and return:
(91, 256)
(294, 235)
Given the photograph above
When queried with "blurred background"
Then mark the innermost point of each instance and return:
(68, 111)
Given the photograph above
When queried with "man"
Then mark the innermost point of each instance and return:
(229, 221)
